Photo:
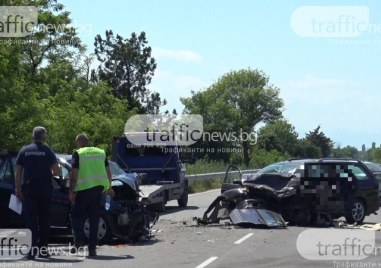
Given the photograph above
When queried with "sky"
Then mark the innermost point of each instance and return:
(324, 56)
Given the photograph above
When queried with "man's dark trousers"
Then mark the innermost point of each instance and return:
(37, 209)
(87, 203)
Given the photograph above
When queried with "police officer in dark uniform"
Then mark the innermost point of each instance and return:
(35, 165)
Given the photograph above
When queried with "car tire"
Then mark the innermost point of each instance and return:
(357, 212)
(183, 200)
(104, 230)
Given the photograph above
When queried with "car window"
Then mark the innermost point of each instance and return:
(358, 172)
(273, 168)
(290, 167)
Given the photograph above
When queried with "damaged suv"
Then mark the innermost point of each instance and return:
(307, 191)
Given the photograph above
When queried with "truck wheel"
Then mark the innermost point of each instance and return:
(183, 200)
(104, 230)
(357, 212)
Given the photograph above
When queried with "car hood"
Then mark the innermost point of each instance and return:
(129, 179)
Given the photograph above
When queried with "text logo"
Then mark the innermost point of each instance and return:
(17, 21)
(331, 21)
(15, 244)
(145, 129)
(336, 244)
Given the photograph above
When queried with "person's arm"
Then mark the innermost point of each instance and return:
(109, 175)
(110, 191)
(18, 181)
(73, 178)
(56, 169)
(72, 183)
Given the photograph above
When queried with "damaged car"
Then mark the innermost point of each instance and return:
(310, 192)
(126, 217)
(239, 207)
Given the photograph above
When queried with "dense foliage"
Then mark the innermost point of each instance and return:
(45, 80)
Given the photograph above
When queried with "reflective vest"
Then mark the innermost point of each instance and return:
(92, 171)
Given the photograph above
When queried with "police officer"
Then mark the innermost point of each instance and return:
(35, 165)
(89, 177)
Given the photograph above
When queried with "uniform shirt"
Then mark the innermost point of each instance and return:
(37, 160)
(75, 160)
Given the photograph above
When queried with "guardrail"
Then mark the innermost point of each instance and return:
(216, 175)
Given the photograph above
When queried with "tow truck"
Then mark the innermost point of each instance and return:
(161, 171)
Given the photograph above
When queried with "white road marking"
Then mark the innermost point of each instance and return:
(207, 262)
(243, 239)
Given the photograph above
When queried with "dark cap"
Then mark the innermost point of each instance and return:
(39, 133)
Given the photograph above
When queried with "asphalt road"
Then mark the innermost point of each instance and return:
(179, 242)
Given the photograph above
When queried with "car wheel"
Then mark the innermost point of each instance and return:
(357, 212)
(104, 230)
(183, 200)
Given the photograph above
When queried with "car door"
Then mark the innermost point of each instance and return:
(7, 172)
(232, 179)
(367, 186)
(60, 205)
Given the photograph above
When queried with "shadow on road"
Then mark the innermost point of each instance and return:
(58, 260)
(112, 258)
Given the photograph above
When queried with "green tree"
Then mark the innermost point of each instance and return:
(236, 103)
(45, 82)
(101, 118)
(306, 149)
(374, 153)
(128, 67)
(279, 135)
(319, 139)
(347, 152)
(260, 157)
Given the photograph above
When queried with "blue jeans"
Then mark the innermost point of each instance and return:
(87, 203)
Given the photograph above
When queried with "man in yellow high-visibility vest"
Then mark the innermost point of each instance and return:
(90, 176)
